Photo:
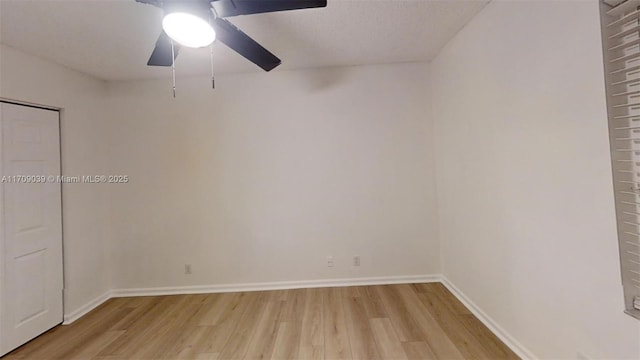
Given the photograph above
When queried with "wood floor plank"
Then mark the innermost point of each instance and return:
(447, 297)
(266, 330)
(214, 339)
(207, 356)
(93, 347)
(415, 321)
(372, 302)
(363, 345)
(336, 338)
(351, 291)
(228, 312)
(238, 343)
(419, 288)
(152, 342)
(185, 346)
(161, 345)
(276, 295)
(140, 308)
(418, 350)
(200, 298)
(12, 357)
(219, 307)
(489, 340)
(386, 339)
(312, 331)
(142, 328)
(287, 343)
(294, 305)
(435, 336)
(449, 322)
(403, 321)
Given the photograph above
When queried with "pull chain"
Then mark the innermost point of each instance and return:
(213, 81)
(173, 68)
(211, 18)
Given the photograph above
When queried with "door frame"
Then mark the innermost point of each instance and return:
(59, 110)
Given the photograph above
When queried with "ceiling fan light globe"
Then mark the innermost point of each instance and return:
(188, 30)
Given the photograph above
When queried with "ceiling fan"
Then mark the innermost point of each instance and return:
(197, 23)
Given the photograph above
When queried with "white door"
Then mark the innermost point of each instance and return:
(30, 224)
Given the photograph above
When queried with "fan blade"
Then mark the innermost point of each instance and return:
(161, 55)
(225, 8)
(156, 3)
(234, 38)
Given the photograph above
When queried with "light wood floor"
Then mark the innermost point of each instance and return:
(419, 321)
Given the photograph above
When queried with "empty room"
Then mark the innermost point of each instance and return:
(320, 179)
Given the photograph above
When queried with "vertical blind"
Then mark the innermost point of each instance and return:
(621, 42)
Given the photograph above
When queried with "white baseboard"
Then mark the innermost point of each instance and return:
(84, 309)
(278, 285)
(501, 333)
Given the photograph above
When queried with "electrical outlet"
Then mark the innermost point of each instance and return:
(187, 269)
(329, 261)
(356, 260)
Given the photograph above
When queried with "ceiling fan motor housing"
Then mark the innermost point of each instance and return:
(201, 9)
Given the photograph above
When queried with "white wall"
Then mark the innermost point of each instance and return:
(261, 179)
(84, 152)
(526, 214)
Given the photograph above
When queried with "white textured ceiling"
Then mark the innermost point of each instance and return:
(112, 39)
